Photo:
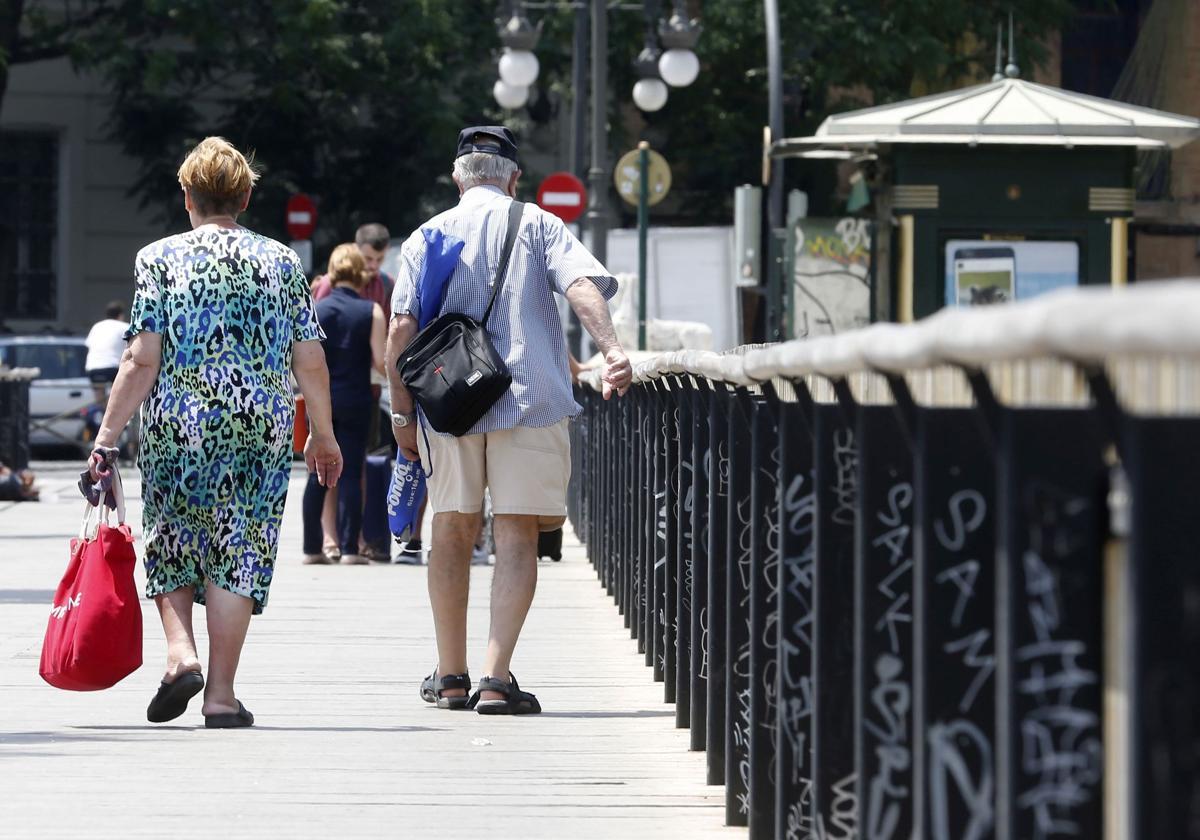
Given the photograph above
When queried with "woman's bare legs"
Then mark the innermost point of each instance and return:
(175, 610)
(228, 620)
(329, 521)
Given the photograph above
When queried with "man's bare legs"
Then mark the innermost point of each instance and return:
(228, 620)
(175, 610)
(514, 581)
(449, 583)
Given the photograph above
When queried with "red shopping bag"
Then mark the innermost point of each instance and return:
(94, 633)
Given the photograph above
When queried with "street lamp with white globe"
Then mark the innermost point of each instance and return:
(679, 65)
(649, 92)
(518, 64)
(518, 68)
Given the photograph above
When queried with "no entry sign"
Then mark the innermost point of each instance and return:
(301, 216)
(563, 195)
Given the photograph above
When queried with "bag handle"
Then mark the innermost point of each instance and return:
(93, 515)
(515, 209)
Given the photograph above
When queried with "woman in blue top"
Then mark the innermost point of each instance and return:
(354, 339)
(221, 316)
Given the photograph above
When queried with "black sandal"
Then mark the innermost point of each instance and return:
(433, 686)
(230, 720)
(172, 698)
(515, 702)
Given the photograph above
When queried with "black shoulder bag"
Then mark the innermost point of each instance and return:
(451, 368)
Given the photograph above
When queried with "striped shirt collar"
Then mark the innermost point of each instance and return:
(480, 195)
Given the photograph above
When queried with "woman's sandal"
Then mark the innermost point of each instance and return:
(230, 720)
(515, 702)
(433, 686)
(172, 698)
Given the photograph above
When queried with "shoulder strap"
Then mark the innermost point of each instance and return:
(515, 209)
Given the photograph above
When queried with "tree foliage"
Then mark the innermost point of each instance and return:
(357, 101)
(837, 55)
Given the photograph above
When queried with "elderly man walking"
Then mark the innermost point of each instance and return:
(519, 450)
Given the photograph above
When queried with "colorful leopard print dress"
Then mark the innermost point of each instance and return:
(217, 427)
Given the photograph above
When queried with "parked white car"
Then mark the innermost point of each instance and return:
(59, 397)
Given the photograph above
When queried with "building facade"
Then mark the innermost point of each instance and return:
(69, 230)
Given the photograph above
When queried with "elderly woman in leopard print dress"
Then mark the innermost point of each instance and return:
(221, 316)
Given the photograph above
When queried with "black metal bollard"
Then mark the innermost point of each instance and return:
(1163, 468)
(953, 624)
(834, 781)
(596, 543)
(702, 464)
(883, 624)
(630, 546)
(669, 525)
(720, 402)
(621, 511)
(653, 430)
(14, 422)
(658, 535)
(764, 612)
(1051, 530)
(797, 526)
(737, 613)
(684, 500)
(641, 488)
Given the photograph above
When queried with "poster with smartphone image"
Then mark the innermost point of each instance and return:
(981, 272)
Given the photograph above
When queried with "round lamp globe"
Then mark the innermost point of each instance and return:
(679, 68)
(518, 68)
(510, 96)
(650, 94)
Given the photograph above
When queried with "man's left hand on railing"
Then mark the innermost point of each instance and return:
(618, 373)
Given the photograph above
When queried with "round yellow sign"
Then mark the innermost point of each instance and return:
(627, 175)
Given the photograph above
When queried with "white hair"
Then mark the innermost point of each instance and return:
(477, 168)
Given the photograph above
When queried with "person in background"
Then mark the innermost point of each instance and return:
(354, 345)
(17, 485)
(105, 344)
(372, 240)
(221, 316)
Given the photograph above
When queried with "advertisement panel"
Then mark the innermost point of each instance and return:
(980, 271)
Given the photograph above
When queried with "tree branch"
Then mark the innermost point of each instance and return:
(54, 42)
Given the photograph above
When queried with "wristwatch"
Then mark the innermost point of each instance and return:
(402, 420)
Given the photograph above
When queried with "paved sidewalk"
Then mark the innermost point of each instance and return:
(344, 747)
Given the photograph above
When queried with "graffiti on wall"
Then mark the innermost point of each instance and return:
(831, 276)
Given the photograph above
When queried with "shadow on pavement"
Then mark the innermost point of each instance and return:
(70, 736)
(256, 727)
(641, 713)
(26, 596)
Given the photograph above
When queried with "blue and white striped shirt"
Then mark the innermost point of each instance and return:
(524, 325)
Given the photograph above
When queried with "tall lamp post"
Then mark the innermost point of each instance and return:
(678, 66)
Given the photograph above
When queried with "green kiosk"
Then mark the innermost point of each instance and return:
(994, 192)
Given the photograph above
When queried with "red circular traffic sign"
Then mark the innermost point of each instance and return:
(301, 216)
(564, 195)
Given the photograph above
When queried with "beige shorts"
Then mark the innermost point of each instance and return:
(525, 469)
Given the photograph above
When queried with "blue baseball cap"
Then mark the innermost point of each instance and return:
(497, 140)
